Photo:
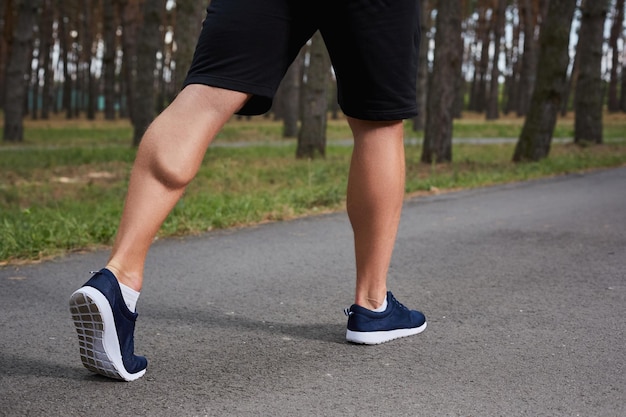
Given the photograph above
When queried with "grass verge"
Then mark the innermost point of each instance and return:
(67, 195)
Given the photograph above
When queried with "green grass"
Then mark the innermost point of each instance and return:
(63, 189)
(475, 126)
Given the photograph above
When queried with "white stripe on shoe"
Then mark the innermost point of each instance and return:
(376, 338)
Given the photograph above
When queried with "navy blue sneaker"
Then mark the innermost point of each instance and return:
(105, 329)
(371, 328)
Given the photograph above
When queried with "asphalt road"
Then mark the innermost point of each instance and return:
(524, 286)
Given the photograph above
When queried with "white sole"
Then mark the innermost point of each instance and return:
(97, 337)
(376, 338)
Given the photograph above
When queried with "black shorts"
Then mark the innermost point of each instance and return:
(247, 46)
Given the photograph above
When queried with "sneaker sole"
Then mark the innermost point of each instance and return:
(376, 338)
(97, 337)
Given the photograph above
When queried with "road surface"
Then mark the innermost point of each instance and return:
(524, 286)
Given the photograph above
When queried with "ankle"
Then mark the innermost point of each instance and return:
(132, 282)
(371, 302)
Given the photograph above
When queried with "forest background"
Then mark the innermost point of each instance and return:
(75, 95)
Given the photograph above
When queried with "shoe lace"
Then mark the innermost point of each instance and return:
(397, 303)
(348, 312)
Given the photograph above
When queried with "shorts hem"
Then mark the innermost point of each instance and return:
(228, 84)
(383, 115)
(261, 97)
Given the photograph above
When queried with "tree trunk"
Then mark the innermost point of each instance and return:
(333, 106)
(622, 101)
(478, 100)
(87, 40)
(17, 66)
(514, 65)
(493, 102)
(437, 146)
(460, 83)
(189, 14)
(287, 100)
(108, 58)
(571, 84)
(129, 12)
(47, 22)
(589, 97)
(616, 30)
(460, 88)
(312, 136)
(529, 59)
(64, 44)
(6, 33)
(535, 139)
(31, 101)
(161, 62)
(419, 121)
(148, 43)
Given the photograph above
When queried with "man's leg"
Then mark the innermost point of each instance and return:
(375, 197)
(168, 158)
(374, 203)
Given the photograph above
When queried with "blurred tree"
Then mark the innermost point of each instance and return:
(45, 61)
(478, 91)
(513, 65)
(130, 18)
(86, 52)
(571, 83)
(419, 121)
(616, 32)
(536, 137)
(6, 33)
(528, 69)
(622, 101)
(89, 90)
(312, 135)
(109, 25)
(148, 43)
(589, 90)
(287, 101)
(17, 67)
(66, 55)
(189, 15)
(437, 145)
(493, 99)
